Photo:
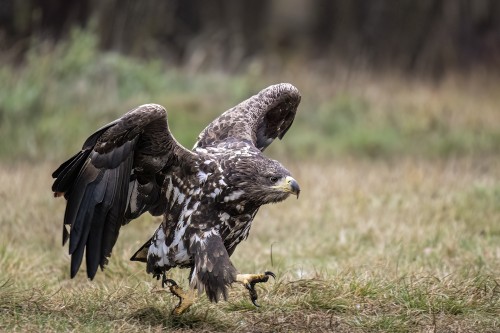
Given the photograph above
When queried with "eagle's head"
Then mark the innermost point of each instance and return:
(261, 180)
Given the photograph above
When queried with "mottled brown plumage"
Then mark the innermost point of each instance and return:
(208, 196)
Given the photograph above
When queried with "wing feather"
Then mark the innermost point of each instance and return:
(67, 172)
(99, 180)
(259, 120)
(94, 241)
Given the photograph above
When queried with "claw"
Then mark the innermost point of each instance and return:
(253, 293)
(185, 301)
(250, 280)
(164, 282)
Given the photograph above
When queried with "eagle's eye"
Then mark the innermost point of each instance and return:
(273, 179)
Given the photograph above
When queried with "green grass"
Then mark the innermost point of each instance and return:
(370, 246)
(396, 229)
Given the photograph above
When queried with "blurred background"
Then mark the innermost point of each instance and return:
(379, 78)
(396, 146)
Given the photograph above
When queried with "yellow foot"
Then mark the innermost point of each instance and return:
(249, 281)
(185, 298)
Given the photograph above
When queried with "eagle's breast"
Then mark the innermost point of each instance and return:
(205, 201)
(234, 229)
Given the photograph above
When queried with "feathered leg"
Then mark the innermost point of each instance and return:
(249, 281)
(214, 272)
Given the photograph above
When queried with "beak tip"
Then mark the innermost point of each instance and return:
(292, 186)
(295, 188)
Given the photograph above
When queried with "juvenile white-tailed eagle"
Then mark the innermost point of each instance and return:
(208, 196)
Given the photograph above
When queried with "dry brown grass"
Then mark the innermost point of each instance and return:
(400, 246)
(403, 238)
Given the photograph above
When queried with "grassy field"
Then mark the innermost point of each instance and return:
(397, 228)
(400, 246)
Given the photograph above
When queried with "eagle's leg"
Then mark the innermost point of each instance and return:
(186, 299)
(249, 281)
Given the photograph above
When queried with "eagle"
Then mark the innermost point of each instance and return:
(208, 196)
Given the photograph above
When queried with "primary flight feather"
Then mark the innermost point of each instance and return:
(208, 196)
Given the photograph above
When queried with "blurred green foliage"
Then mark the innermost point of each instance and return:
(63, 92)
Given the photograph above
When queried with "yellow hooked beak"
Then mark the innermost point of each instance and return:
(290, 185)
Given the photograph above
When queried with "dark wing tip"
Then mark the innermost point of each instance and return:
(96, 181)
(65, 234)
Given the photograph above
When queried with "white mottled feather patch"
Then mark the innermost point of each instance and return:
(215, 193)
(157, 245)
(180, 198)
(169, 188)
(224, 217)
(175, 197)
(202, 176)
(132, 196)
(234, 195)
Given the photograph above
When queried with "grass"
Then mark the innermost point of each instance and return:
(396, 230)
(399, 246)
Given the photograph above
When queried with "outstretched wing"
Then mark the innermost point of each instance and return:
(259, 120)
(116, 177)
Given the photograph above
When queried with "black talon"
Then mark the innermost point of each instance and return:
(164, 281)
(253, 293)
(269, 273)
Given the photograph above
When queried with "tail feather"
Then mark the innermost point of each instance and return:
(142, 253)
